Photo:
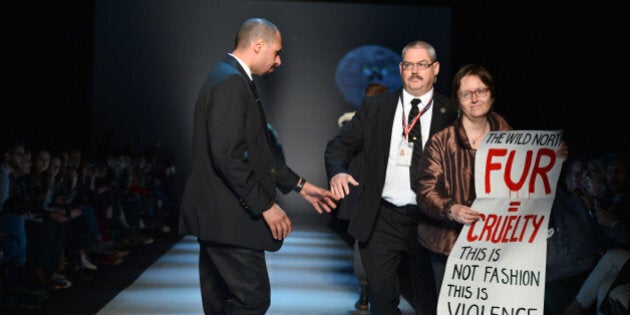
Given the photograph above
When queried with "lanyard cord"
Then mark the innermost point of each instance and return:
(407, 129)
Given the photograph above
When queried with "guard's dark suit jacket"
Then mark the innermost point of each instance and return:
(234, 175)
(369, 132)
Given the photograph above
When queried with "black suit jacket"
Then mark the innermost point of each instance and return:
(369, 133)
(234, 174)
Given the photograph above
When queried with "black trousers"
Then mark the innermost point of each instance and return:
(438, 262)
(233, 280)
(394, 240)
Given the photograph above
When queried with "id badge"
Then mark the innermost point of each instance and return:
(405, 150)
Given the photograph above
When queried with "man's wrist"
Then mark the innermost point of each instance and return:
(300, 185)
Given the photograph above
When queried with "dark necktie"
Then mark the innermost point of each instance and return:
(416, 138)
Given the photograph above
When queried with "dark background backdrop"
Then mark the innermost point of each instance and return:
(555, 68)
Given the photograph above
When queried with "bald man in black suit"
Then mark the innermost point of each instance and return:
(229, 201)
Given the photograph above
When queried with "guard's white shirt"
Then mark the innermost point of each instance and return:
(397, 189)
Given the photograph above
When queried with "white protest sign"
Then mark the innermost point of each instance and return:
(497, 265)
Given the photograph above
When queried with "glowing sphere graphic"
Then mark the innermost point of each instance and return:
(364, 65)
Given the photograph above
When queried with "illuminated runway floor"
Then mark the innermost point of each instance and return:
(311, 275)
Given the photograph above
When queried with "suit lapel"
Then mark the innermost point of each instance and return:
(232, 61)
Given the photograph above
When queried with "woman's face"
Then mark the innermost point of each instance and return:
(474, 97)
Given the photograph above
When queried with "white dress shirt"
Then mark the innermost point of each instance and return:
(397, 189)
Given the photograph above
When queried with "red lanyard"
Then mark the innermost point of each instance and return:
(407, 129)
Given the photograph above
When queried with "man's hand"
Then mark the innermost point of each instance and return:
(321, 199)
(339, 184)
(278, 222)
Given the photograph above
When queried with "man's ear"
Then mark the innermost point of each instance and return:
(258, 45)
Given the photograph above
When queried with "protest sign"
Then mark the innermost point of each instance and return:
(497, 265)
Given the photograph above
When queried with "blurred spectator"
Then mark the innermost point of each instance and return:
(571, 241)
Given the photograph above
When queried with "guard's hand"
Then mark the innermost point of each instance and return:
(321, 199)
(339, 184)
(278, 222)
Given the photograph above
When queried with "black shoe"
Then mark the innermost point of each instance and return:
(362, 303)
